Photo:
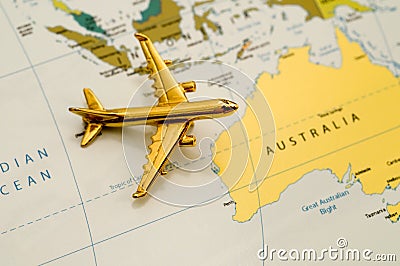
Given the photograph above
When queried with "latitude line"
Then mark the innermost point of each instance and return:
(54, 121)
(365, 96)
(15, 72)
(160, 219)
(337, 150)
(80, 49)
(231, 148)
(102, 240)
(66, 255)
(55, 58)
(230, 191)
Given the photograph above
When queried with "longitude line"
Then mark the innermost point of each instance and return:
(55, 123)
(251, 160)
(236, 189)
(385, 40)
(185, 209)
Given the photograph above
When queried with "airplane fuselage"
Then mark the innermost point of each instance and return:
(169, 113)
(173, 115)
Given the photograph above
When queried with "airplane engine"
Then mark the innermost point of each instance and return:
(187, 141)
(189, 86)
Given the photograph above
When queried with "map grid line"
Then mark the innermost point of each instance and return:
(250, 156)
(378, 22)
(349, 102)
(54, 121)
(236, 189)
(380, 90)
(169, 215)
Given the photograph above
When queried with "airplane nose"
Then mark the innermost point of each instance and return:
(229, 106)
(233, 105)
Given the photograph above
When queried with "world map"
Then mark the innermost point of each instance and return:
(329, 70)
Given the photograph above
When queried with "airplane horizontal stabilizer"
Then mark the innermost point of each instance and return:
(91, 132)
(91, 99)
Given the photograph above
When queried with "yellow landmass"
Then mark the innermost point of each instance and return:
(201, 20)
(394, 182)
(62, 6)
(308, 5)
(325, 118)
(327, 7)
(394, 212)
(248, 10)
(97, 46)
(163, 26)
(199, 3)
(243, 49)
(320, 8)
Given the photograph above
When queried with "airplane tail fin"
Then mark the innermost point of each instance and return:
(93, 129)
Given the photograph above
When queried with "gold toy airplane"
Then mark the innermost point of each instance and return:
(173, 115)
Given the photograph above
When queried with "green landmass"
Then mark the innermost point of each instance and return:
(88, 22)
(153, 10)
(85, 20)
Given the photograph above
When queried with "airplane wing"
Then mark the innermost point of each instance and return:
(164, 141)
(167, 89)
(167, 136)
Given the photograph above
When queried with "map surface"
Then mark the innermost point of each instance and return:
(328, 69)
